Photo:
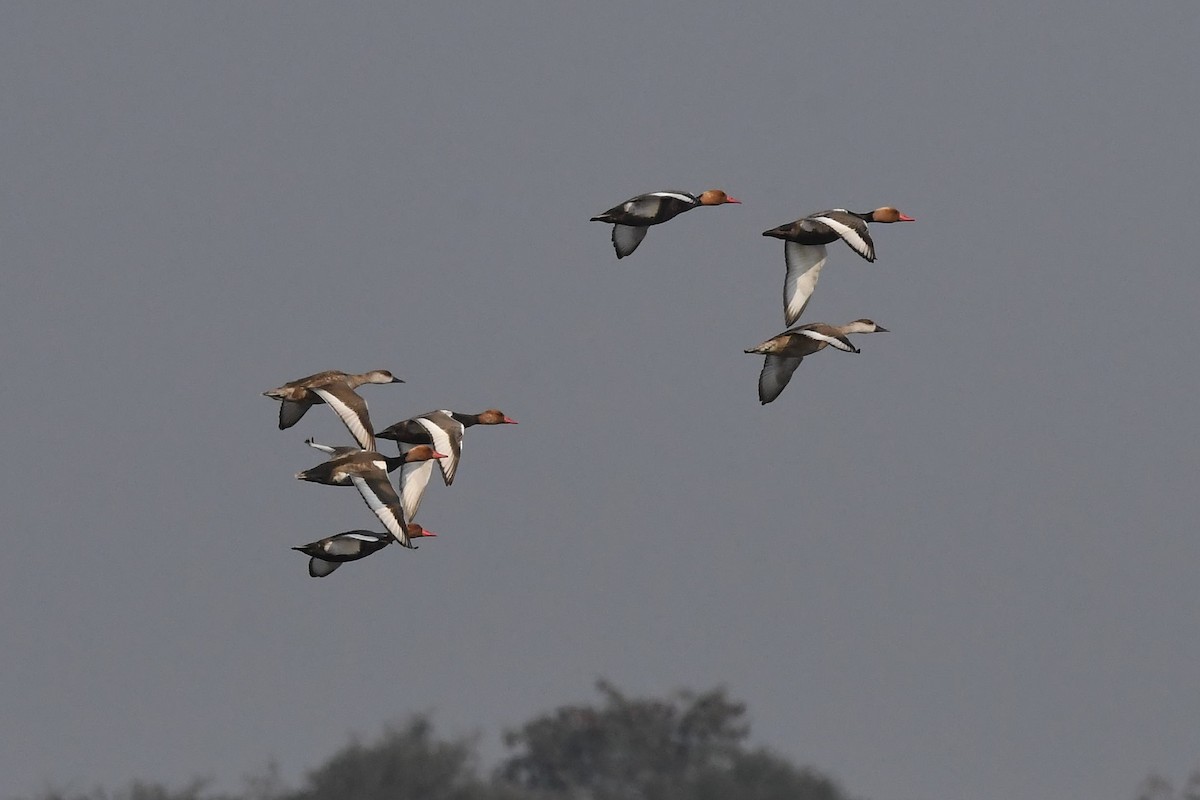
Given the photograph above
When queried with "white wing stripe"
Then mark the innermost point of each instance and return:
(849, 235)
(354, 424)
(675, 195)
(832, 341)
(438, 434)
(368, 494)
(445, 444)
(382, 510)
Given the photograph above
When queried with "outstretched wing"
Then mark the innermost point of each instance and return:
(290, 412)
(381, 498)
(446, 435)
(626, 238)
(352, 410)
(319, 568)
(776, 372)
(804, 262)
(414, 478)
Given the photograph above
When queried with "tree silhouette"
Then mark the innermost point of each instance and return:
(1156, 787)
(406, 762)
(689, 747)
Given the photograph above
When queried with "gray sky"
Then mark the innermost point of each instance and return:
(959, 565)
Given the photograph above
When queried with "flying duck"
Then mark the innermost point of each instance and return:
(337, 390)
(632, 218)
(804, 248)
(784, 352)
(444, 430)
(367, 471)
(331, 552)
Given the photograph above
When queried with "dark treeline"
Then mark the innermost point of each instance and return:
(1156, 787)
(686, 747)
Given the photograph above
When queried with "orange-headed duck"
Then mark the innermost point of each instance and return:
(414, 472)
(444, 430)
(631, 219)
(367, 471)
(329, 553)
(804, 248)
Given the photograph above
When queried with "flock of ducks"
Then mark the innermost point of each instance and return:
(436, 436)
(804, 254)
(423, 440)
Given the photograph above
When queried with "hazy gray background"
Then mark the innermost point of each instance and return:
(959, 565)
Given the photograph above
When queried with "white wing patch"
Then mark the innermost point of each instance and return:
(776, 372)
(626, 238)
(804, 262)
(858, 242)
(354, 416)
(446, 440)
(413, 480)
